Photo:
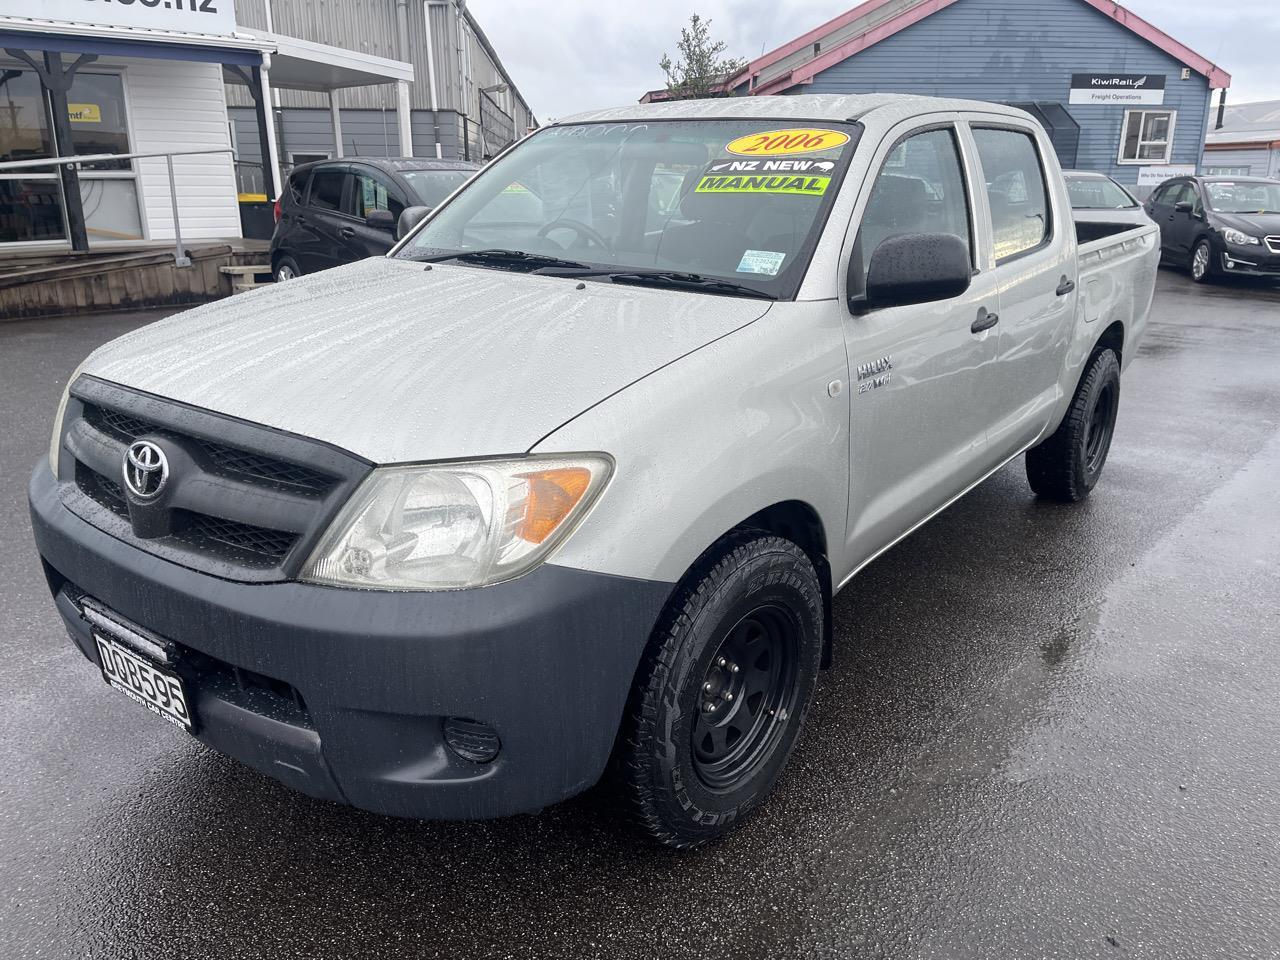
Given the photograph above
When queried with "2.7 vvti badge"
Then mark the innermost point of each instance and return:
(566, 483)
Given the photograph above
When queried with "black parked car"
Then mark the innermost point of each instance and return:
(1219, 225)
(339, 211)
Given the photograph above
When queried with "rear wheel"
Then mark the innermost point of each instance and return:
(1068, 464)
(1202, 262)
(723, 691)
(286, 269)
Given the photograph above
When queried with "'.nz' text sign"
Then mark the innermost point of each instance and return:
(187, 16)
(1124, 89)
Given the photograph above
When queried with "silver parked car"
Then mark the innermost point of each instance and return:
(567, 482)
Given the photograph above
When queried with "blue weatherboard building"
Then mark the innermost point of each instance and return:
(1116, 94)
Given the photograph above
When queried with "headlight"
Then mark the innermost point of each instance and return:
(453, 525)
(55, 441)
(1238, 238)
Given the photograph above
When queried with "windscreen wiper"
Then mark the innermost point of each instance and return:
(499, 256)
(665, 278)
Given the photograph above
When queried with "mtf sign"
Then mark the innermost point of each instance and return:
(187, 16)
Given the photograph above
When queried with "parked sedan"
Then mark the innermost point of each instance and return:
(338, 211)
(1219, 225)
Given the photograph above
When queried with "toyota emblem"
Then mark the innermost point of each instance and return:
(146, 469)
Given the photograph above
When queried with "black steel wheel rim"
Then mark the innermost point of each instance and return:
(746, 697)
(1101, 424)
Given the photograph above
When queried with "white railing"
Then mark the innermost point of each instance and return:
(180, 257)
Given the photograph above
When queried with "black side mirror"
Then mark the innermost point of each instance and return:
(917, 268)
(1183, 206)
(410, 218)
(381, 220)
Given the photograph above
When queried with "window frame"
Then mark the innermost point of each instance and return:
(86, 174)
(1124, 136)
(971, 213)
(1051, 212)
(342, 169)
(379, 176)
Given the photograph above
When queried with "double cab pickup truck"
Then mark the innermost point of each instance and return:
(563, 485)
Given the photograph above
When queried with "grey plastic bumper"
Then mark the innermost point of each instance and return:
(546, 660)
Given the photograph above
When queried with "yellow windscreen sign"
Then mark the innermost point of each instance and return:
(84, 113)
(803, 186)
(786, 143)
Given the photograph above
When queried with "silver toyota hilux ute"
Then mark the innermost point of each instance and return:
(566, 482)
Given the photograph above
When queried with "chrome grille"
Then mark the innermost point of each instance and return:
(1273, 244)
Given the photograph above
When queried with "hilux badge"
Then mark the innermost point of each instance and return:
(146, 469)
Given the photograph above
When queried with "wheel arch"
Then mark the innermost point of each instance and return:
(1112, 339)
(800, 523)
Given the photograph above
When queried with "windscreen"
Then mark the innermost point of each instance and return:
(1098, 193)
(1241, 197)
(432, 186)
(738, 200)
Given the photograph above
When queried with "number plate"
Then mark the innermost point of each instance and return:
(139, 679)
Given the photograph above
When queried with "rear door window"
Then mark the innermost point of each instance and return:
(327, 188)
(1016, 189)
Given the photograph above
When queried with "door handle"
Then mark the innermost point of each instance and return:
(1065, 286)
(346, 233)
(985, 321)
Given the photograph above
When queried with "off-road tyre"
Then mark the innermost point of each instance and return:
(1067, 465)
(752, 583)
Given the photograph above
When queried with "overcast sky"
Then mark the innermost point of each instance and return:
(571, 55)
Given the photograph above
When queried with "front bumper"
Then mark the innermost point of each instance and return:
(1251, 261)
(342, 694)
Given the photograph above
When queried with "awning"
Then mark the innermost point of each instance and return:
(29, 33)
(303, 65)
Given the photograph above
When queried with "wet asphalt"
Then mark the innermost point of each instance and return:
(1050, 731)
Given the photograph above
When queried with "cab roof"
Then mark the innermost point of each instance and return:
(814, 106)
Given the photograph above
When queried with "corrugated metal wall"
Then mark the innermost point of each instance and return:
(1261, 160)
(1026, 50)
(462, 64)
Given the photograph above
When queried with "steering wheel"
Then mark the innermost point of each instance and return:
(581, 229)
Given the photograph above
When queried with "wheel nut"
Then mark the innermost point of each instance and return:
(707, 686)
(722, 661)
(734, 668)
(708, 707)
(728, 696)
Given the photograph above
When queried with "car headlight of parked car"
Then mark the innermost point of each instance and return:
(449, 526)
(1239, 238)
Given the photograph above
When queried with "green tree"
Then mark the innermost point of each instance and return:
(700, 67)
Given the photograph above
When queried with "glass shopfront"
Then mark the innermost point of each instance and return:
(31, 201)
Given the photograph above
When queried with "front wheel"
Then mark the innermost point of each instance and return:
(1067, 465)
(1202, 262)
(722, 694)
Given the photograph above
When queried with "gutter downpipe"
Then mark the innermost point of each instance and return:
(431, 77)
(404, 107)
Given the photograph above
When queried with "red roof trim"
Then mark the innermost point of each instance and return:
(808, 39)
(1218, 78)
(804, 73)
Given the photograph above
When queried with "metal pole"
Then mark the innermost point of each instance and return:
(180, 258)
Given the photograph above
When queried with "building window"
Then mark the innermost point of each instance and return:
(31, 201)
(1228, 171)
(1148, 136)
